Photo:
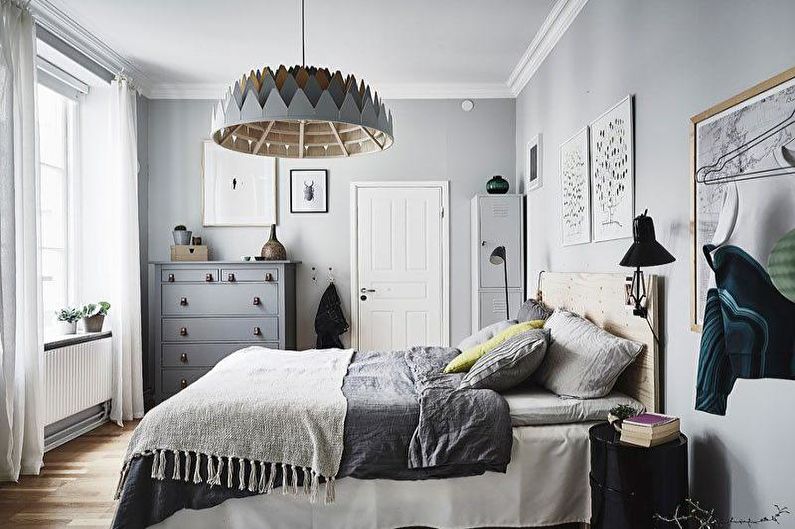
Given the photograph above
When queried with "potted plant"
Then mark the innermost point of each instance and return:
(67, 318)
(94, 316)
(617, 415)
(181, 235)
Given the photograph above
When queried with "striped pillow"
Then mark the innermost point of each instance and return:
(508, 364)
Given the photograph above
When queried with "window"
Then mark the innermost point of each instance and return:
(56, 115)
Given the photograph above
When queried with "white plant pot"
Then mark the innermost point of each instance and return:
(65, 327)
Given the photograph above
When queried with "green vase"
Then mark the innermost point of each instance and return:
(497, 185)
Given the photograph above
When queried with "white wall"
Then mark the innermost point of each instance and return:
(434, 140)
(678, 58)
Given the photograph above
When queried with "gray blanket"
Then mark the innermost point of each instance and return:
(405, 420)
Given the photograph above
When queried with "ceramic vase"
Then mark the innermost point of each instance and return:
(497, 185)
(273, 250)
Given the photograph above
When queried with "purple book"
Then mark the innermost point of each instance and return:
(650, 419)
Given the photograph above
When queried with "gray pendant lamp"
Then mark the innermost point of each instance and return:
(301, 112)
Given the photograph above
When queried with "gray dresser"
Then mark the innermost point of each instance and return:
(202, 311)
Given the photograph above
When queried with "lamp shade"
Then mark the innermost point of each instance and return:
(497, 255)
(645, 250)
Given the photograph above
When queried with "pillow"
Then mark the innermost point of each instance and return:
(582, 360)
(462, 362)
(508, 364)
(533, 310)
(485, 334)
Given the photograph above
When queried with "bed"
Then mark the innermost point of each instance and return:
(545, 483)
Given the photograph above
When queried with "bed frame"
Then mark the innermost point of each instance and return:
(601, 299)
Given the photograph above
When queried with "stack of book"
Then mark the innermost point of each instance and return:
(649, 429)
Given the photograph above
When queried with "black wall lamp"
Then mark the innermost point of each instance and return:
(497, 257)
(645, 251)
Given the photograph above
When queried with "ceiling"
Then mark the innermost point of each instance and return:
(405, 47)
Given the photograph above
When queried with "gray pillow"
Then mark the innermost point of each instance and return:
(533, 310)
(582, 360)
(508, 364)
(485, 334)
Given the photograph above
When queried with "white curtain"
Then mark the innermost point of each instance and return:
(125, 280)
(21, 347)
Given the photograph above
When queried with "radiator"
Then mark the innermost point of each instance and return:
(77, 377)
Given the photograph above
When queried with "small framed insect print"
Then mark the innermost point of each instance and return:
(308, 191)
(237, 189)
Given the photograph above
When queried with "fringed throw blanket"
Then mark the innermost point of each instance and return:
(259, 414)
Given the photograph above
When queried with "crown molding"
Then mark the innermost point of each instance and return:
(555, 25)
(51, 17)
(385, 91)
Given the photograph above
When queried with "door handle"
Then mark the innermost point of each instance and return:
(365, 290)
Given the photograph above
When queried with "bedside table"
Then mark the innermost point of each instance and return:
(630, 484)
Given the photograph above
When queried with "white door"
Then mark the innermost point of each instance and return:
(401, 264)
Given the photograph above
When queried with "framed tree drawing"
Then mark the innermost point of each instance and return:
(575, 213)
(613, 172)
(533, 165)
(237, 189)
(742, 178)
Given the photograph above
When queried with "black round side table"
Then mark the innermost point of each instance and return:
(630, 484)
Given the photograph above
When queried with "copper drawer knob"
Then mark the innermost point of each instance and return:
(257, 301)
(170, 278)
(257, 331)
(183, 331)
(183, 383)
(208, 278)
(231, 278)
(268, 277)
(183, 358)
(183, 301)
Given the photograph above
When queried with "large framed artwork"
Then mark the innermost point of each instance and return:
(575, 213)
(237, 189)
(613, 172)
(533, 164)
(742, 179)
(308, 191)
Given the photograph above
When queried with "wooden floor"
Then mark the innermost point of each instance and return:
(76, 485)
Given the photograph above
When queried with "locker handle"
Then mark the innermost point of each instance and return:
(183, 384)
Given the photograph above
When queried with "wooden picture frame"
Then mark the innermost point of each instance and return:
(312, 197)
(737, 103)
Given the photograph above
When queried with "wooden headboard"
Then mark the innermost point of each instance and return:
(600, 298)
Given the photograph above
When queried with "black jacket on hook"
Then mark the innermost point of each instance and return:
(330, 321)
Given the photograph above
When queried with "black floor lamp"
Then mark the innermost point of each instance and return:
(497, 257)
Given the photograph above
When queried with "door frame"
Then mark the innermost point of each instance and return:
(444, 187)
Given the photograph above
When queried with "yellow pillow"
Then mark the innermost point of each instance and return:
(464, 361)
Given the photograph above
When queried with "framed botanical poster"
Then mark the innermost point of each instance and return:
(575, 212)
(308, 191)
(613, 172)
(742, 178)
(532, 172)
(237, 189)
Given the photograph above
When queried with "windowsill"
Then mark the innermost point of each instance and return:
(55, 342)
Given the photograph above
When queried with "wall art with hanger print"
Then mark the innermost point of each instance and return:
(613, 172)
(308, 191)
(742, 178)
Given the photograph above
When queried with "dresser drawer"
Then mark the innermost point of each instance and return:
(221, 299)
(174, 380)
(249, 275)
(220, 329)
(189, 275)
(202, 354)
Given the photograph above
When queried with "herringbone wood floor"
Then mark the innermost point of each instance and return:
(76, 485)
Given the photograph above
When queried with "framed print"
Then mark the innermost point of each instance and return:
(533, 163)
(742, 180)
(237, 189)
(575, 211)
(309, 191)
(613, 172)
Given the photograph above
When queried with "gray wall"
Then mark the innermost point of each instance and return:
(434, 140)
(678, 58)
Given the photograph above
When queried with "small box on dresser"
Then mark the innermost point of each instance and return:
(201, 312)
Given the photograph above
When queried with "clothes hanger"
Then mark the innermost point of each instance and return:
(788, 156)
